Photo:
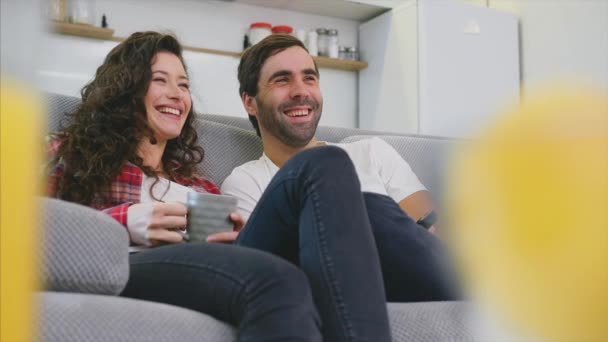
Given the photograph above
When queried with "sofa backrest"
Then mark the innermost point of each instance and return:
(231, 141)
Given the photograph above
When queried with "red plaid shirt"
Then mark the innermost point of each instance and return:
(125, 188)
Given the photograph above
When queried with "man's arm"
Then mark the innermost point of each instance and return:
(401, 182)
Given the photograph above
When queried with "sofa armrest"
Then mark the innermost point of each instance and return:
(82, 250)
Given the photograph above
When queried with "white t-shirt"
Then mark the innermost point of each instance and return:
(379, 167)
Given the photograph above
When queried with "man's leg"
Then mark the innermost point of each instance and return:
(313, 214)
(414, 261)
(267, 298)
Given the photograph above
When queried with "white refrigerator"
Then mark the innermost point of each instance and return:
(437, 67)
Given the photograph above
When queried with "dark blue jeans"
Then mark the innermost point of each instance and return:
(313, 214)
(415, 266)
(267, 298)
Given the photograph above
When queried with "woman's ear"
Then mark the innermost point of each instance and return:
(250, 104)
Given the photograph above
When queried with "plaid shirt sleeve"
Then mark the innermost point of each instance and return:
(119, 213)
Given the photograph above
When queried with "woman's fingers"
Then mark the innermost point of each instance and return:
(168, 222)
(164, 235)
(223, 237)
(170, 208)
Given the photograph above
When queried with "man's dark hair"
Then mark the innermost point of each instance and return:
(254, 58)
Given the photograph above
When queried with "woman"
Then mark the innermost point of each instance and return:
(131, 151)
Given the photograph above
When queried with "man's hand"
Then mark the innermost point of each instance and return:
(229, 237)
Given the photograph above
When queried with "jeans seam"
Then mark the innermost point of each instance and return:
(327, 265)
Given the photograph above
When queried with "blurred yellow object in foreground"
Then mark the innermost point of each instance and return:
(20, 142)
(530, 203)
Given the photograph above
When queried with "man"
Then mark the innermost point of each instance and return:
(279, 88)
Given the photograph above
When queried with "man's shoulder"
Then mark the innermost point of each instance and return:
(252, 172)
(363, 146)
(250, 167)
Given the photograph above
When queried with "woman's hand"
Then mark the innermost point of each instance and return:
(229, 237)
(165, 219)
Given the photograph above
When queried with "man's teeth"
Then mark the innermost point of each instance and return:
(301, 112)
(169, 110)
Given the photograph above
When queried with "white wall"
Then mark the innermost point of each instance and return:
(67, 63)
(560, 39)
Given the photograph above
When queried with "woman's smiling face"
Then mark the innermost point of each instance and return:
(167, 100)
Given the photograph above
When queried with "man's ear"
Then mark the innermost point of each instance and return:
(250, 104)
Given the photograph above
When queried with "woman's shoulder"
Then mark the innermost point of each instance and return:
(199, 183)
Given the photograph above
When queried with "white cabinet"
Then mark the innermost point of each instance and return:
(437, 68)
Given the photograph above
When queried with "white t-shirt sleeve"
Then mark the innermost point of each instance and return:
(138, 219)
(399, 179)
(246, 188)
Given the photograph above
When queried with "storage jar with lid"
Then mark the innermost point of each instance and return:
(282, 29)
(322, 42)
(332, 43)
(259, 31)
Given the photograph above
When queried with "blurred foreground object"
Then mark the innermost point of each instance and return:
(530, 204)
(20, 172)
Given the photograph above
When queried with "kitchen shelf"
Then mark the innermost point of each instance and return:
(107, 34)
(82, 30)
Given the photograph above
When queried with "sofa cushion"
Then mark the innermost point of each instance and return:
(83, 250)
(426, 155)
(226, 147)
(65, 317)
(431, 321)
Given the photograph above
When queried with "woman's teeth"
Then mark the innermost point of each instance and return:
(169, 110)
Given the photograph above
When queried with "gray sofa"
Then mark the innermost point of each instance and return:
(85, 259)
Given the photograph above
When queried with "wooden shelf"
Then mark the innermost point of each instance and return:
(107, 34)
(82, 30)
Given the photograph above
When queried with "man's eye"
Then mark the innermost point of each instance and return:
(282, 80)
(311, 78)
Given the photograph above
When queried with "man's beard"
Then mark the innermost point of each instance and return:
(293, 135)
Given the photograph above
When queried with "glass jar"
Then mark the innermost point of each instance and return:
(351, 53)
(311, 43)
(342, 52)
(56, 10)
(322, 42)
(332, 43)
(81, 12)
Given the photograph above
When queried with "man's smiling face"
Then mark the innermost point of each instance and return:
(288, 104)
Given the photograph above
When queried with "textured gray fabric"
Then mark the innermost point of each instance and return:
(226, 147)
(427, 157)
(66, 317)
(57, 106)
(430, 322)
(83, 250)
(325, 133)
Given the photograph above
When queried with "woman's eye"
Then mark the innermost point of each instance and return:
(185, 85)
(159, 79)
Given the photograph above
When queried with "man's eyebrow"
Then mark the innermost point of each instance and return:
(185, 77)
(310, 72)
(279, 73)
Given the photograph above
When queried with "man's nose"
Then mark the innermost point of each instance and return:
(299, 89)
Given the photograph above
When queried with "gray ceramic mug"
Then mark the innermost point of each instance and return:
(208, 214)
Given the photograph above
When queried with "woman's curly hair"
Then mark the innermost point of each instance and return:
(110, 122)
